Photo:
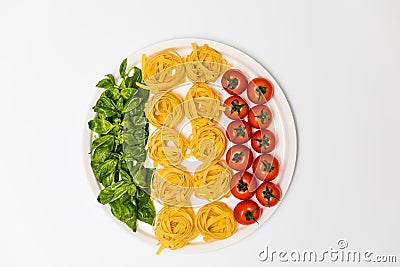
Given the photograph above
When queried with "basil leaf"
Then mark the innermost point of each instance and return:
(129, 82)
(104, 106)
(144, 95)
(122, 68)
(105, 83)
(127, 93)
(136, 152)
(100, 126)
(112, 192)
(125, 176)
(125, 210)
(111, 78)
(103, 152)
(106, 139)
(120, 104)
(132, 104)
(146, 210)
(113, 94)
(105, 169)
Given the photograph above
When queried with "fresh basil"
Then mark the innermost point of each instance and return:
(118, 151)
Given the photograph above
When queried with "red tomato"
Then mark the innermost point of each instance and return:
(260, 117)
(260, 90)
(247, 212)
(243, 185)
(239, 132)
(266, 167)
(239, 157)
(236, 108)
(268, 194)
(234, 82)
(263, 141)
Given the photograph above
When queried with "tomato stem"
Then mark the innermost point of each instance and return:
(238, 156)
(261, 90)
(240, 131)
(236, 107)
(232, 83)
(242, 186)
(264, 142)
(268, 194)
(264, 116)
(249, 215)
(267, 166)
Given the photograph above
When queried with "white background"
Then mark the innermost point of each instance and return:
(337, 61)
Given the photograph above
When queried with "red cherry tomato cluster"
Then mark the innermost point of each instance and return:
(265, 167)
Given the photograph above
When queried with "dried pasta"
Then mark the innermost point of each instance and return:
(175, 227)
(204, 64)
(172, 185)
(163, 71)
(216, 221)
(202, 104)
(165, 110)
(167, 147)
(211, 181)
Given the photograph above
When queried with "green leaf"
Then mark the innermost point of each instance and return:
(132, 104)
(111, 78)
(106, 139)
(105, 106)
(113, 94)
(146, 210)
(105, 169)
(112, 192)
(100, 126)
(129, 82)
(105, 83)
(136, 152)
(102, 152)
(125, 210)
(122, 68)
(127, 93)
(120, 104)
(125, 175)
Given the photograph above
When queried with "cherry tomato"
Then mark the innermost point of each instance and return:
(236, 108)
(260, 90)
(268, 194)
(247, 212)
(260, 117)
(263, 141)
(243, 185)
(239, 157)
(266, 167)
(234, 82)
(239, 132)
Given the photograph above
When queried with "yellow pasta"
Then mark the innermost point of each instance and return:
(211, 181)
(204, 64)
(216, 221)
(164, 110)
(167, 147)
(172, 185)
(174, 227)
(207, 142)
(202, 104)
(162, 71)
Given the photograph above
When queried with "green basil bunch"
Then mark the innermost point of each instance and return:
(118, 152)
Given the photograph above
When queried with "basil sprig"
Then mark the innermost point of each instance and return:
(118, 152)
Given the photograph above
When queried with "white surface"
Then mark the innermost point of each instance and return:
(282, 126)
(337, 61)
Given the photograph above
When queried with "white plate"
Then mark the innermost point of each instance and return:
(283, 126)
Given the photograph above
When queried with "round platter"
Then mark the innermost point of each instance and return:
(283, 127)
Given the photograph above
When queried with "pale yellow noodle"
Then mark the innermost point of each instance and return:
(202, 103)
(172, 186)
(162, 71)
(167, 147)
(211, 182)
(174, 227)
(203, 149)
(164, 110)
(205, 64)
(216, 221)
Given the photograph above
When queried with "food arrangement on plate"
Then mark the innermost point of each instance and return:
(185, 142)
